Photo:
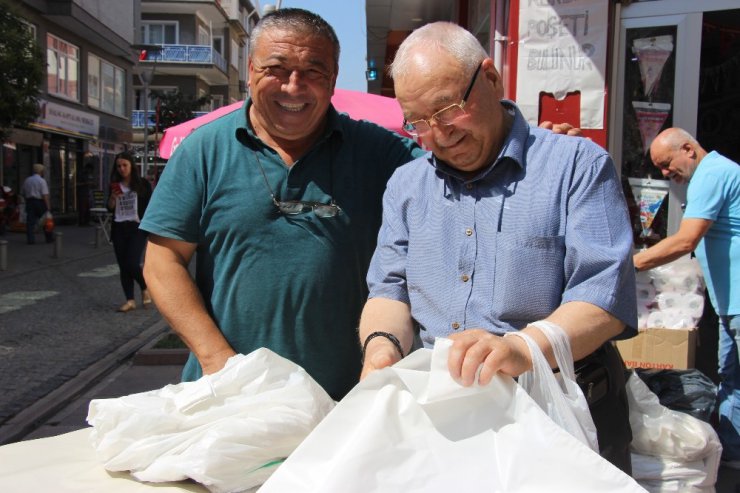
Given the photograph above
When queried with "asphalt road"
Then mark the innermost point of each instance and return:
(58, 323)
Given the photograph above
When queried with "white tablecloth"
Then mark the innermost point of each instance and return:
(67, 463)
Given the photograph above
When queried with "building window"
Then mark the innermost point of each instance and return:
(63, 75)
(106, 86)
(235, 54)
(204, 39)
(158, 33)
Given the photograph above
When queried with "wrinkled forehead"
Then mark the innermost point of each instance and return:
(295, 46)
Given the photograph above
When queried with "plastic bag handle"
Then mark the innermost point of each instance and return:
(540, 367)
(560, 347)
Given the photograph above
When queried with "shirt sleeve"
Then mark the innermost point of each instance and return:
(598, 262)
(386, 276)
(704, 198)
(175, 208)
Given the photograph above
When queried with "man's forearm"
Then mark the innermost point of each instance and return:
(588, 327)
(181, 304)
(389, 316)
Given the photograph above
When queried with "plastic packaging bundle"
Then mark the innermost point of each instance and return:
(671, 451)
(671, 296)
(228, 431)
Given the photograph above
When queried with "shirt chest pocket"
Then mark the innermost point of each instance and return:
(528, 276)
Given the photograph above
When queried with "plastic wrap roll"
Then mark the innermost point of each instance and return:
(670, 319)
(645, 294)
(668, 300)
(694, 305)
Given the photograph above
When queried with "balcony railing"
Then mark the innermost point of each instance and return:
(137, 118)
(199, 54)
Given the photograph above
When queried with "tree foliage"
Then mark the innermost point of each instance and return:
(22, 71)
(176, 108)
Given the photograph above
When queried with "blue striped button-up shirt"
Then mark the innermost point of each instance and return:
(543, 225)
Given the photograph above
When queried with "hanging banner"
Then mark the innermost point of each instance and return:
(650, 120)
(652, 54)
(562, 49)
(649, 195)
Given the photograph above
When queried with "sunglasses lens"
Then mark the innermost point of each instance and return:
(326, 210)
(291, 207)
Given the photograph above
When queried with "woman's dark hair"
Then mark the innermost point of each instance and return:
(137, 182)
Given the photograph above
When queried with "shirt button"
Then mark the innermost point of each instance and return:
(469, 186)
(468, 232)
(455, 325)
(465, 278)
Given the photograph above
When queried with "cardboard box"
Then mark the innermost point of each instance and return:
(662, 349)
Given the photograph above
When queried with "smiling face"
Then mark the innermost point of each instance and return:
(437, 81)
(291, 81)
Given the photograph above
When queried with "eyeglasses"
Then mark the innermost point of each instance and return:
(294, 207)
(445, 116)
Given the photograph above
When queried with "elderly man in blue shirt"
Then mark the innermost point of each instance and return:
(501, 225)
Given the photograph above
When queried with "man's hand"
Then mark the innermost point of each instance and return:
(562, 128)
(475, 347)
(379, 353)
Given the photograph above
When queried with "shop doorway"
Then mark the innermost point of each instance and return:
(718, 120)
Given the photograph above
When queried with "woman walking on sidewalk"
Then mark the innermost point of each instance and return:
(128, 199)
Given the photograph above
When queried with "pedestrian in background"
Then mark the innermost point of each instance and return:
(711, 229)
(35, 192)
(128, 199)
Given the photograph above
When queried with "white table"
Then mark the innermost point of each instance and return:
(103, 217)
(67, 464)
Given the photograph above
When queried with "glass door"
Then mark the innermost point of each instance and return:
(656, 88)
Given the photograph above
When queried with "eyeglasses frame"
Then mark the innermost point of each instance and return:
(285, 207)
(460, 105)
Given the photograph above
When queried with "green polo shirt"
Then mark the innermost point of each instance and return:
(293, 284)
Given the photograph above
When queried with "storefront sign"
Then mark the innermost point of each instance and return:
(562, 49)
(65, 118)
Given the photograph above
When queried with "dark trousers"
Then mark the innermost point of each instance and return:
(129, 243)
(35, 209)
(601, 376)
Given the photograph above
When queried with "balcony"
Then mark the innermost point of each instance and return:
(138, 118)
(182, 60)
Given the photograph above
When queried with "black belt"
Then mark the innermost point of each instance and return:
(592, 372)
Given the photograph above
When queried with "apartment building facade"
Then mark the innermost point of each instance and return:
(197, 48)
(85, 98)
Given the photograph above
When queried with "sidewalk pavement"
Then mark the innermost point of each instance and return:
(77, 248)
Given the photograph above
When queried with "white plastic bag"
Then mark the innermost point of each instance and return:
(412, 428)
(671, 450)
(559, 396)
(227, 431)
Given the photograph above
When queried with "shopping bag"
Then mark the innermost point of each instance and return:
(227, 431)
(48, 222)
(412, 428)
(558, 395)
(671, 450)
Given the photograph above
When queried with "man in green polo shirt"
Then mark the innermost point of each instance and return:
(281, 204)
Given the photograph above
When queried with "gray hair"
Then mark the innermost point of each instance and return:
(38, 168)
(298, 21)
(444, 37)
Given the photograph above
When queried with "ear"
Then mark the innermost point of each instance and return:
(688, 149)
(493, 77)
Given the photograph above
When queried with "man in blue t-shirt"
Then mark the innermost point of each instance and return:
(711, 228)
